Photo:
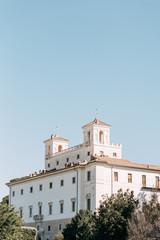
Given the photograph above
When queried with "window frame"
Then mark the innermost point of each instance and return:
(115, 176)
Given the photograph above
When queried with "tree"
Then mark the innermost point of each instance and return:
(59, 236)
(81, 227)
(113, 215)
(145, 222)
(10, 222)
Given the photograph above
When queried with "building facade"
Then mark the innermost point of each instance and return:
(76, 178)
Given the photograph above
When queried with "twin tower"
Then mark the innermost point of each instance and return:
(96, 142)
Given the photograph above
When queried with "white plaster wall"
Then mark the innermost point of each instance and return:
(105, 183)
(54, 195)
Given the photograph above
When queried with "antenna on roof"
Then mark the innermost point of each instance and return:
(96, 114)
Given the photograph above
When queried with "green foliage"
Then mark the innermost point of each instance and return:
(10, 222)
(82, 227)
(145, 222)
(18, 179)
(59, 236)
(5, 200)
(29, 233)
(113, 215)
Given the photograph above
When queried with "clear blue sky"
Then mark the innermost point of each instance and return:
(60, 60)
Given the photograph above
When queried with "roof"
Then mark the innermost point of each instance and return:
(126, 163)
(108, 161)
(56, 137)
(96, 121)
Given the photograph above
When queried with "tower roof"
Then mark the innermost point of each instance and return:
(57, 138)
(96, 122)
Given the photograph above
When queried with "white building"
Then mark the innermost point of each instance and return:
(76, 178)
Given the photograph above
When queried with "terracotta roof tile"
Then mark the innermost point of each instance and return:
(126, 163)
(98, 122)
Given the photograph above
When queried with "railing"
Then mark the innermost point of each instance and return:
(66, 150)
(115, 144)
(38, 217)
(88, 143)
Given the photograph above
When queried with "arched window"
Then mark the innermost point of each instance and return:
(59, 148)
(49, 149)
(89, 135)
(101, 137)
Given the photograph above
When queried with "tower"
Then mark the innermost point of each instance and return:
(54, 145)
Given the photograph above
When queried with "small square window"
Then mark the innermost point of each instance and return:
(21, 191)
(40, 187)
(50, 185)
(13, 193)
(78, 156)
(31, 189)
(73, 180)
(48, 164)
(67, 160)
(49, 228)
(88, 153)
(88, 176)
(62, 182)
(57, 163)
(114, 154)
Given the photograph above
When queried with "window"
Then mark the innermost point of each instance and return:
(67, 160)
(88, 176)
(40, 187)
(116, 176)
(129, 177)
(73, 205)
(101, 137)
(61, 206)
(48, 164)
(73, 180)
(49, 149)
(143, 180)
(31, 189)
(62, 183)
(21, 191)
(89, 136)
(21, 212)
(30, 211)
(38, 228)
(13, 193)
(50, 185)
(50, 208)
(40, 210)
(88, 204)
(60, 227)
(114, 154)
(157, 182)
(59, 148)
(88, 153)
(57, 163)
(78, 156)
(49, 228)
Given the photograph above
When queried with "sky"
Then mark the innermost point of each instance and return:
(60, 60)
